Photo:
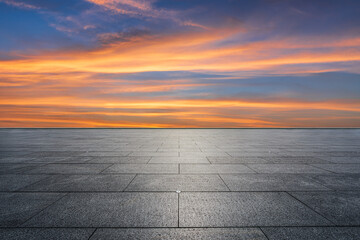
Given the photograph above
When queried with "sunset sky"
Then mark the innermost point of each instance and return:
(179, 63)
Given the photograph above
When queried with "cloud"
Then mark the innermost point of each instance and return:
(20, 4)
(154, 64)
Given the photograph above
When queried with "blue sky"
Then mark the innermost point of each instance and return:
(94, 63)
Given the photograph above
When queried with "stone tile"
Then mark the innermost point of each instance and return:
(251, 154)
(45, 233)
(271, 182)
(343, 153)
(285, 168)
(63, 168)
(16, 159)
(340, 168)
(67, 183)
(5, 154)
(295, 159)
(106, 153)
(180, 234)
(143, 168)
(343, 159)
(242, 209)
(313, 233)
(214, 168)
(45, 160)
(119, 160)
(54, 154)
(155, 154)
(202, 154)
(79, 159)
(340, 182)
(342, 208)
(14, 182)
(200, 159)
(7, 168)
(110, 210)
(220, 160)
(177, 182)
(16, 208)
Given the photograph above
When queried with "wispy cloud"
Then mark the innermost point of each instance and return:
(158, 64)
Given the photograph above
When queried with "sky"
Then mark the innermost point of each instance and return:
(179, 63)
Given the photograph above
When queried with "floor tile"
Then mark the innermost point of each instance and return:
(342, 208)
(214, 168)
(143, 168)
(180, 234)
(243, 209)
(110, 210)
(177, 182)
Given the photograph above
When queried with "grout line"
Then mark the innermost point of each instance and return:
(106, 168)
(92, 234)
(178, 223)
(311, 208)
(264, 233)
(129, 183)
(224, 182)
(46, 178)
(321, 168)
(45, 208)
(247, 165)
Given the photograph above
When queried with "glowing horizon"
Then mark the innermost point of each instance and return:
(134, 63)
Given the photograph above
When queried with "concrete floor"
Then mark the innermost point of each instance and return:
(179, 184)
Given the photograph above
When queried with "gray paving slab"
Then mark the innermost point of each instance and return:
(15, 159)
(342, 159)
(79, 183)
(16, 208)
(7, 168)
(295, 159)
(54, 154)
(198, 159)
(177, 182)
(155, 154)
(110, 210)
(5, 154)
(342, 153)
(251, 154)
(45, 160)
(341, 182)
(340, 168)
(242, 209)
(285, 168)
(183, 233)
(228, 159)
(45, 233)
(214, 168)
(313, 233)
(63, 168)
(271, 182)
(143, 168)
(79, 159)
(342, 208)
(106, 153)
(13, 182)
(127, 159)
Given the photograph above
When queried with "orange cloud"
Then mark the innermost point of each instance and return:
(56, 85)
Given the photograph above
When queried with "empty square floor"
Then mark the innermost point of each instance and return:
(180, 184)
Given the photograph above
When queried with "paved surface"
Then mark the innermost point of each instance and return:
(234, 183)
